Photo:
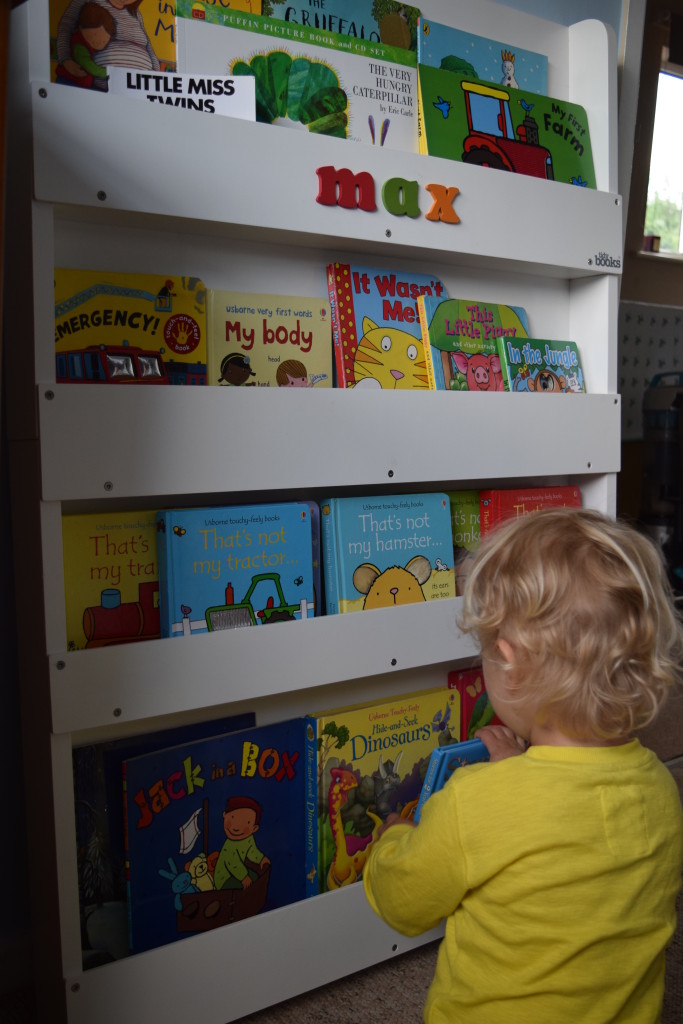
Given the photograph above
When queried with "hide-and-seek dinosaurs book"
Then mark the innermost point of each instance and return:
(327, 83)
(232, 566)
(126, 328)
(384, 551)
(496, 505)
(260, 340)
(371, 760)
(217, 831)
(443, 761)
(460, 341)
(376, 327)
(536, 365)
(111, 578)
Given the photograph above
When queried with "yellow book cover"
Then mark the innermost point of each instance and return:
(371, 762)
(111, 578)
(268, 341)
(120, 328)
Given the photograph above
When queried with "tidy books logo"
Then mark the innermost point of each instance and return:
(603, 259)
(400, 197)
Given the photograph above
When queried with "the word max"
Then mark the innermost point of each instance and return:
(341, 187)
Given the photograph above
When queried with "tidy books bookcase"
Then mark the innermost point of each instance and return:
(106, 182)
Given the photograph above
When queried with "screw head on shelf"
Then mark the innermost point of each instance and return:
(116, 712)
(108, 485)
(42, 93)
(49, 395)
(60, 666)
(101, 195)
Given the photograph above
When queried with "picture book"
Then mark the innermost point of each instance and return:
(376, 327)
(216, 831)
(97, 770)
(329, 84)
(535, 365)
(111, 578)
(506, 128)
(371, 760)
(460, 339)
(443, 761)
(268, 341)
(229, 97)
(475, 707)
(391, 23)
(86, 38)
(466, 532)
(121, 328)
(499, 504)
(384, 551)
(232, 566)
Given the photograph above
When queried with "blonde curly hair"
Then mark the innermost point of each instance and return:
(587, 606)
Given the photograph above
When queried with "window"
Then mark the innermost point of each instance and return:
(665, 186)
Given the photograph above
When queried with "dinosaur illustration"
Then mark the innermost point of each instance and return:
(350, 851)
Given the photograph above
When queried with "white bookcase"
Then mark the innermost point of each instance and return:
(111, 183)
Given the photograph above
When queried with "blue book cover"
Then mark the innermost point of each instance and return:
(491, 60)
(217, 831)
(391, 22)
(379, 552)
(232, 566)
(460, 338)
(443, 761)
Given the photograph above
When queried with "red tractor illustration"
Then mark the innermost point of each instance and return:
(491, 141)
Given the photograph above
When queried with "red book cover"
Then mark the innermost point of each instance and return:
(498, 504)
(475, 707)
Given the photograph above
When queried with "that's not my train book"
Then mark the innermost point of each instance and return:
(497, 504)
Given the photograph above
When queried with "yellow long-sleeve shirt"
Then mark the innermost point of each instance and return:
(557, 873)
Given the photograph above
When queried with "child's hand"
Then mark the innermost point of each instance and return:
(500, 742)
(394, 819)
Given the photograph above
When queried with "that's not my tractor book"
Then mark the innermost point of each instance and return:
(504, 128)
(389, 22)
(376, 327)
(460, 341)
(216, 831)
(371, 761)
(306, 78)
(121, 328)
(443, 762)
(268, 341)
(476, 709)
(111, 578)
(497, 504)
(537, 366)
(233, 566)
(386, 550)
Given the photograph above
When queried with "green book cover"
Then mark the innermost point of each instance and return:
(533, 365)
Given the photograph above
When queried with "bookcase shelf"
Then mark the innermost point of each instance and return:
(147, 188)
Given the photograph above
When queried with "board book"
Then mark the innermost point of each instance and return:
(326, 83)
(111, 578)
(385, 551)
(460, 338)
(216, 831)
(396, 25)
(371, 760)
(443, 762)
(121, 328)
(540, 366)
(501, 127)
(476, 710)
(376, 327)
(270, 341)
(496, 505)
(466, 532)
(232, 566)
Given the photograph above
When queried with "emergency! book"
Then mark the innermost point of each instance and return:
(443, 762)
(259, 340)
(371, 760)
(498, 504)
(384, 551)
(396, 25)
(232, 566)
(376, 327)
(111, 573)
(216, 831)
(460, 340)
(505, 128)
(327, 83)
(540, 366)
(121, 328)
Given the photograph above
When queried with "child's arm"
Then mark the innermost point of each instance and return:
(501, 742)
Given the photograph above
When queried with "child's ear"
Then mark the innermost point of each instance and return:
(507, 651)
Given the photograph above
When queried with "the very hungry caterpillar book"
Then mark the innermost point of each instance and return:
(376, 327)
(540, 366)
(460, 340)
(386, 550)
(231, 566)
(261, 340)
(371, 760)
(111, 574)
(121, 328)
(218, 830)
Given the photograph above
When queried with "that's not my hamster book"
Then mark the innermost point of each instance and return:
(216, 831)
(540, 366)
(120, 328)
(384, 551)
(232, 566)
(376, 327)
(268, 341)
(371, 760)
